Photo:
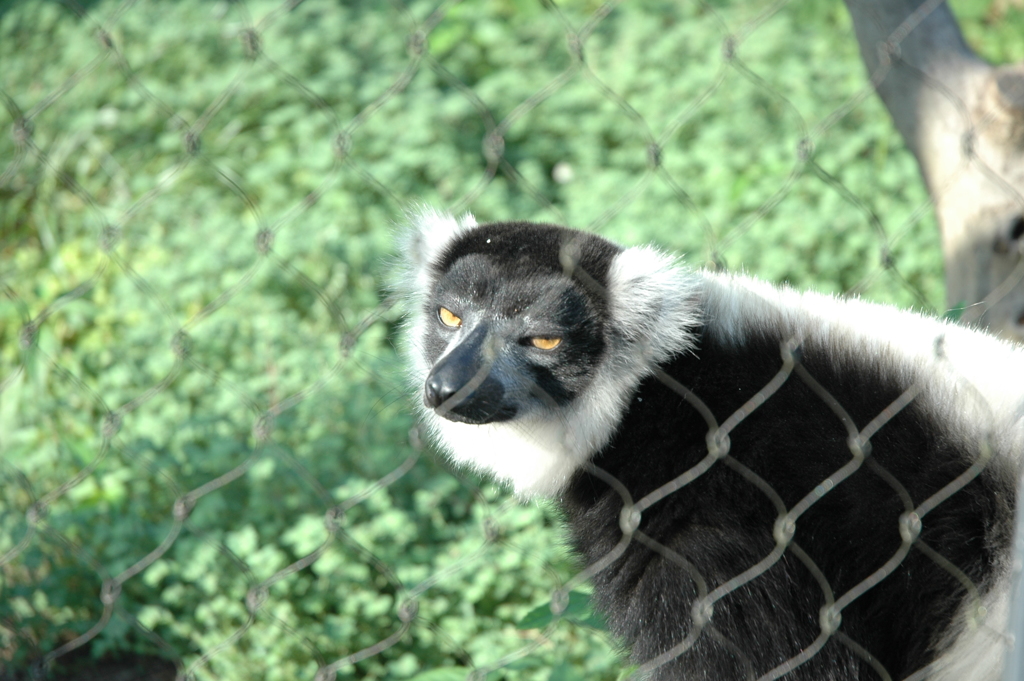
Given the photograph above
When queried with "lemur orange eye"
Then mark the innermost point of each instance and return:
(545, 343)
(448, 318)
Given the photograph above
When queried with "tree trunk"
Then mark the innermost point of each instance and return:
(964, 121)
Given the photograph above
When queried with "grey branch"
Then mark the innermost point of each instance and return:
(963, 119)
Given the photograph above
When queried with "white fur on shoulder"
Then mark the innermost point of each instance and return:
(954, 365)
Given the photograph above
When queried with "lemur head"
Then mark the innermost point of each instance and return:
(530, 339)
(516, 323)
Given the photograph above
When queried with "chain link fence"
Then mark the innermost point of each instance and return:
(209, 466)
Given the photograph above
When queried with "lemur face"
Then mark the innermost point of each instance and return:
(508, 331)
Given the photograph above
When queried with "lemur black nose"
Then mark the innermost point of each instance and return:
(437, 389)
(454, 371)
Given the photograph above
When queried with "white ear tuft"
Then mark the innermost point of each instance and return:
(654, 304)
(429, 233)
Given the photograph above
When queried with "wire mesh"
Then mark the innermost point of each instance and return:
(206, 452)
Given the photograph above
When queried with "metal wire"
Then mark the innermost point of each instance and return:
(120, 213)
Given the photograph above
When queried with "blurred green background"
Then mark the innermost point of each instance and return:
(207, 452)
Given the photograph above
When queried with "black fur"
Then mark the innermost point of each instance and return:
(722, 524)
(525, 248)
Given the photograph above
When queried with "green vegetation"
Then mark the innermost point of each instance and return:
(197, 202)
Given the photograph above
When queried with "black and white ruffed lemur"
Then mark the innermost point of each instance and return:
(851, 520)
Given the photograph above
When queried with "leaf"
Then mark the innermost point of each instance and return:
(578, 610)
(627, 672)
(443, 674)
